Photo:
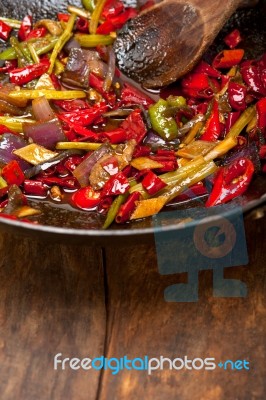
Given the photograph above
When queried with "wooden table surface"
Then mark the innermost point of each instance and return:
(87, 302)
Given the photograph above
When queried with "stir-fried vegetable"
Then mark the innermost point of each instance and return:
(73, 129)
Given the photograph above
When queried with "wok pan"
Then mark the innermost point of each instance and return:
(63, 223)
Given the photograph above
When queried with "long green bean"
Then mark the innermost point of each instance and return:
(148, 207)
(113, 210)
(96, 16)
(14, 23)
(13, 123)
(242, 121)
(41, 46)
(51, 94)
(22, 56)
(66, 35)
(86, 40)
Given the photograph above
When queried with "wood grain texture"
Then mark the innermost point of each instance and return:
(51, 301)
(141, 323)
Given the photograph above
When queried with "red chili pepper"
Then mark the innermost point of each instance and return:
(183, 115)
(66, 182)
(83, 117)
(116, 22)
(105, 28)
(63, 17)
(82, 25)
(8, 216)
(231, 181)
(71, 105)
(111, 165)
(4, 30)
(207, 69)
(72, 162)
(237, 96)
(9, 65)
(253, 73)
(55, 81)
(12, 173)
(25, 27)
(97, 83)
(37, 33)
(61, 170)
(168, 166)
(127, 208)
(213, 127)
(152, 183)
(117, 184)
(232, 117)
(261, 113)
(86, 198)
(138, 175)
(105, 204)
(118, 135)
(134, 126)
(119, 20)
(4, 129)
(131, 95)
(21, 76)
(233, 39)
(262, 152)
(127, 171)
(228, 58)
(197, 85)
(141, 151)
(166, 153)
(113, 23)
(168, 163)
(86, 134)
(201, 108)
(35, 188)
(112, 8)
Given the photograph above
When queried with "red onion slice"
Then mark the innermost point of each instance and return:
(46, 133)
(82, 171)
(42, 109)
(8, 143)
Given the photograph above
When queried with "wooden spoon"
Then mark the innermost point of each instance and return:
(165, 41)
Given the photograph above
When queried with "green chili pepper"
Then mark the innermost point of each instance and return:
(166, 127)
(176, 101)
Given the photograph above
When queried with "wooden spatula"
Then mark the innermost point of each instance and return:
(165, 41)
